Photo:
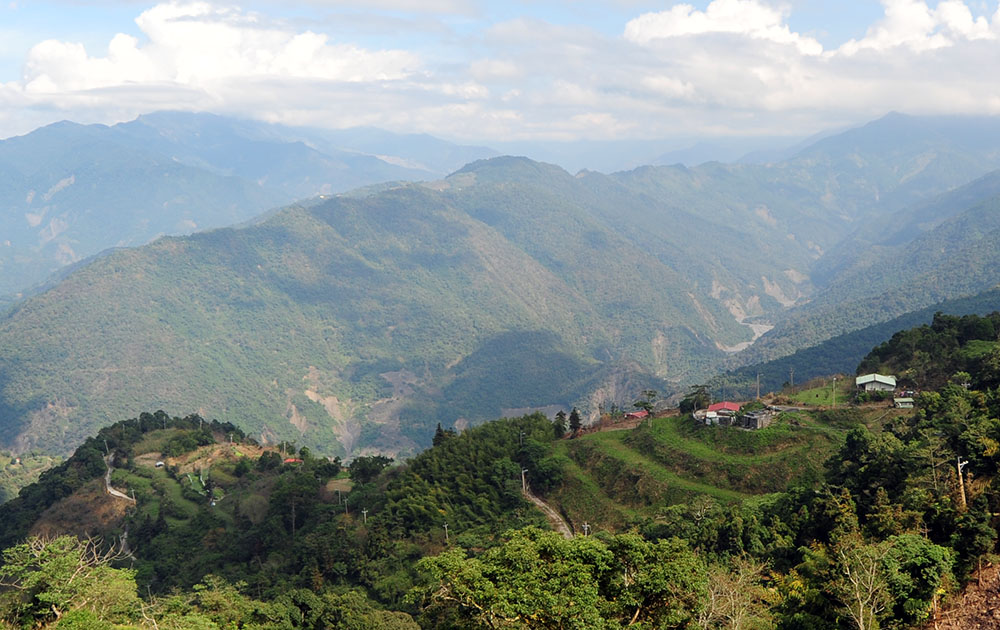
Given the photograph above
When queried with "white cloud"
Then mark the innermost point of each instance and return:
(198, 44)
(485, 69)
(913, 24)
(741, 60)
(741, 17)
(734, 67)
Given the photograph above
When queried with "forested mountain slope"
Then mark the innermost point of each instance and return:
(960, 256)
(355, 322)
(69, 191)
(359, 321)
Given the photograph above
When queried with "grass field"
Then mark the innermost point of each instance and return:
(820, 392)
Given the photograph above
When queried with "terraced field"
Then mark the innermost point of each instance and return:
(618, 478)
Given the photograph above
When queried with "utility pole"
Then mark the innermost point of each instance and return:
(961, 481)
(524, 481)
(446, 533)
(338, 498)
(586, 529)
(520, 439)
(835, 392)
(364, 514)
(791, 377)
(758, 385)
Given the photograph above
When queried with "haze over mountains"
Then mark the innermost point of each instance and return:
(70, 191)
(359, 321)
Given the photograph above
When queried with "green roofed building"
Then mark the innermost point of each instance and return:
(876, 383)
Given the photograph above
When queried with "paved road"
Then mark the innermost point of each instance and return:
(110, 460)
(555, 519)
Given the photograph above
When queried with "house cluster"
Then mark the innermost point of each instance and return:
(728, 414)
(884, 383)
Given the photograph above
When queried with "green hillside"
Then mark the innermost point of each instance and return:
(622, 477)
(355, 322)
(225, 532)
(658, 522)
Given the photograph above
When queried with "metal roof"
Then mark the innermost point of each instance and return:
(877, 378)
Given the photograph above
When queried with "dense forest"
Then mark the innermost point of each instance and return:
(226, 533)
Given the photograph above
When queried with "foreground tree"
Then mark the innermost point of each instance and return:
(50, 579)
(539, 580)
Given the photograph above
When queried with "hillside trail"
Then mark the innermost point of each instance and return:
(110, 461)
(555, 519)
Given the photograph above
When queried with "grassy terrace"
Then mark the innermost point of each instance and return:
(619, 477)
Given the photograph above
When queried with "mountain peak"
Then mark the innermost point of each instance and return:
(510, 166)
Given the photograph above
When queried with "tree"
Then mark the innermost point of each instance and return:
(63, 575)
(574, 422)
(696, 398)
(365, 469)
(353, 611)
(860, 581)
(294, 498)
(559, 426)
(537, 579)
(441, 435)
(646, 402)
(916, 569)
(736, 597)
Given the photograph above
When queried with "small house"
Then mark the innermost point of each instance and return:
(903, 403)
(876, 383)
(637, 415)
(724, 408)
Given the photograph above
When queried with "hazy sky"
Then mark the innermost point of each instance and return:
(478, 70)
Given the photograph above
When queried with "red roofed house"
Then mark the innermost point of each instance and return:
(730, 407)
(637, 415)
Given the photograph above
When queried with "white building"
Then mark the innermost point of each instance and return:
(876, 383)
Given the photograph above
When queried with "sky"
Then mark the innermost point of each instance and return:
(481, 71)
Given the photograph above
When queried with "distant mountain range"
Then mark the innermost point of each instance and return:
(359, 321)
(69, 191)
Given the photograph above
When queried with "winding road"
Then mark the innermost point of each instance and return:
(554, 517)
(109, 461)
